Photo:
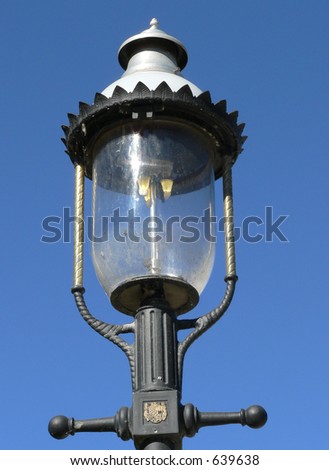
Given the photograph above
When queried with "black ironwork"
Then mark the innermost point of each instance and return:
(157, 419)
(162, 102)
(190, 421)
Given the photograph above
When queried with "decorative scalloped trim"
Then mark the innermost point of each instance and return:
(214, 116)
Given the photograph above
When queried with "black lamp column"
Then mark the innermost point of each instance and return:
(157, 394)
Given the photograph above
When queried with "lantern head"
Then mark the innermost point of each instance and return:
(153, 144)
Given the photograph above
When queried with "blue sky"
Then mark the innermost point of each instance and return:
(270, 61)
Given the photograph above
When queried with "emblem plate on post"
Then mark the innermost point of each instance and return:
(155, 411)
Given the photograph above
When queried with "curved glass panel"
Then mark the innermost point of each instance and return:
(152, 203)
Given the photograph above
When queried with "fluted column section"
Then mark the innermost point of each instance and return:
(155, 350)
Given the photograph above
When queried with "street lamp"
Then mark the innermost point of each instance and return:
(153, 144)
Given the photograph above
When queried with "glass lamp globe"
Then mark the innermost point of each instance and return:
(153, 199)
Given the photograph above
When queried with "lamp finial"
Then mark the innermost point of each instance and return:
(154, 23)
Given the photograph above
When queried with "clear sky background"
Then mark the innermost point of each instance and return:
(269, 59)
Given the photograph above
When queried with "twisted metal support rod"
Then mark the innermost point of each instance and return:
(204, 322)
(229, 217)
(106, 330)
(78, 226)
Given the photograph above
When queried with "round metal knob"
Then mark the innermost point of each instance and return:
(255, 416)
(60, 427)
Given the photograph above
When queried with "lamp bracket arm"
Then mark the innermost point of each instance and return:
(204, 322)
(61, 427)
(254, 417)
(107, 330)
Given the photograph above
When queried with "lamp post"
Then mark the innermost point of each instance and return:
(153, 144)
